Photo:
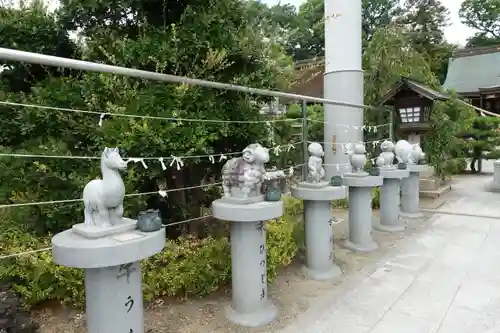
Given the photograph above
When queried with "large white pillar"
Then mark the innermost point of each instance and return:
(343, 79)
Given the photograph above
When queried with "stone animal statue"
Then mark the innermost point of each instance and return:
(387, 148)
(408, 153)
(357, 157)
(403, 150)
(315, 163)
(103, 198)
(417, 154)
(380, 161)
(246, 172)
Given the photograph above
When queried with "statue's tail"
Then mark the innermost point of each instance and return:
(88, 213)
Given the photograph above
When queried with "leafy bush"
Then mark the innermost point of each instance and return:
(376, 198)
(187, 267)
(34, 276)
(455, 166)
(340, 204)
(344, 203)
(449, 119)
(481, 140)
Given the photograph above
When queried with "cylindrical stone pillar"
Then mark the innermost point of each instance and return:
(360, 216)
(318, 220)
(360, 212)
(343, 80)
(249, 269)
(249, 306)
(495, 184)
(113, 289)
(389, 201)
(410, 192)
(117, 301)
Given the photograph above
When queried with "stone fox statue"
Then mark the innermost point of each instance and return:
(246, 172)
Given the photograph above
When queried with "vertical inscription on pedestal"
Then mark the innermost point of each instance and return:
(263, 254)
(330, 242)
(129, 304)
(125, 271)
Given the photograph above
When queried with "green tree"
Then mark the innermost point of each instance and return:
(484, 16)
(213, 40)
(308, 39)
(277, 23)
(424, 21)
(444, 140)
(30, 28)
(378, 14)
(481, 141)
(386, 58)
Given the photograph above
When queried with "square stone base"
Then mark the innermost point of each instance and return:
(91, 231)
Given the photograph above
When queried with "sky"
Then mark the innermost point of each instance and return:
(456, 32)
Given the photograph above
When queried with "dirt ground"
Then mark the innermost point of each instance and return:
(291, 292)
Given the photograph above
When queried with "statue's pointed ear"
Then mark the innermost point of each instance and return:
(116, 149)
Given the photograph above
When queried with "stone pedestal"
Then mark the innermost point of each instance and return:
(389, 200)
(318, 222)
(113, 288)
(360, 212)
(410, 188)
(249, 306)
(495, 184)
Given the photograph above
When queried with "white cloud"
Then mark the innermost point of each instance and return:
(456, 32)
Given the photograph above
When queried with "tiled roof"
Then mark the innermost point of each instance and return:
(469, 71)
(417, 87)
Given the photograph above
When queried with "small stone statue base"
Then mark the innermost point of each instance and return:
(90, 231)
(360, 213)
(314, 185)
(237, 198)
(113, 287)
(389, 201)
(319, 263)
(250, 306)
(410, 192)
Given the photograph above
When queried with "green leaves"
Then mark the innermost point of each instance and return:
(445, 140)
(483, 16)
(210, 39)
(188, 266)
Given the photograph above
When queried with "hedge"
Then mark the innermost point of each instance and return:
(188, 266)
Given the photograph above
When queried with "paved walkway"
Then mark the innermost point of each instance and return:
(443, 280)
